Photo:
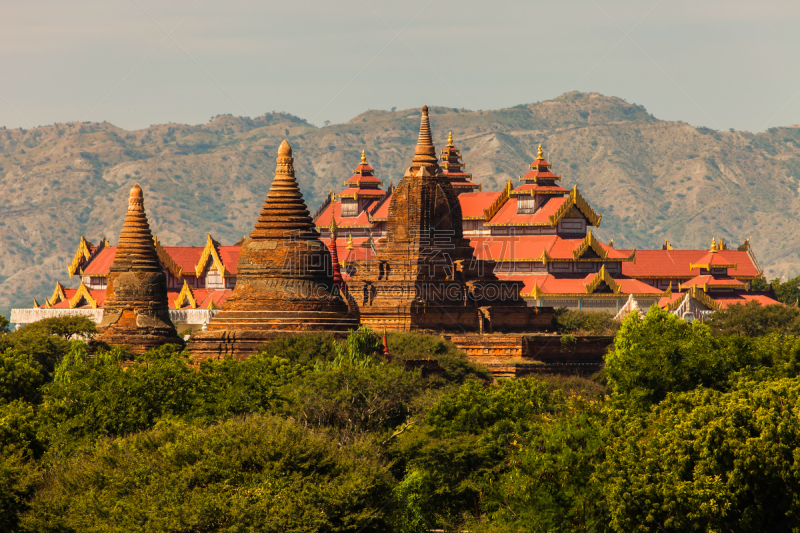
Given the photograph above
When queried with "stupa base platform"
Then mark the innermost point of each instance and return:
(240, 334)
(519, 355)
(456, 319)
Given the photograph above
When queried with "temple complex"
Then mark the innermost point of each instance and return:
(423, 273)
(284, 278)
(441, 232)
(135, 309)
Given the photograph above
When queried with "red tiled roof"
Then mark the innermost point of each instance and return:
(229, 255)
(101, 263)
(713, 259)
(473, 203)
(382, 213)
(744, 297)
(675, 264)
(361, 192)
(358, 178)
(185, 257)
(549, 284)
(335, 209)
(98, 295)
(218, 296)
(540, 174)
(363, 167)
(711, 281)
(507, 215)
(530, 247)
(536, 188)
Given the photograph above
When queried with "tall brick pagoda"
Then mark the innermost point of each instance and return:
(284, 281)
(424, 274)
(136, 310)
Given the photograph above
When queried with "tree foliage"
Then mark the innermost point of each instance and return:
(705, 460)
(754, 319)
(584, 322)
(787, 292)
(699, 433)
(258, 473)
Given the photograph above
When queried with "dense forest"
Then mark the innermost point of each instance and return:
(690, 427)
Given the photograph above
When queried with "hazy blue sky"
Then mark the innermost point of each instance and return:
(713, 63)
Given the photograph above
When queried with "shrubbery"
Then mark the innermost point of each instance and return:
(696, 430)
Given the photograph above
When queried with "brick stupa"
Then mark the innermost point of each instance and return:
(285, 278)
(136, 310)
(424, 274)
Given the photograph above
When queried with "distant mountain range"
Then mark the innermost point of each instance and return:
(650, 179)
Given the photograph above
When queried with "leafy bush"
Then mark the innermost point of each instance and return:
(754, 319)
(457, 368)
(20, 377)
(259, 473)
(708, 461)
(584, 322)
(660, 353)
(48, 340)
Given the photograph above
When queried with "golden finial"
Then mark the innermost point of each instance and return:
(333, 196)
(540, 153)
(333, 227)
(611, 243)
(713, 245)
(450, 139)
(349, 241)
(363, 157)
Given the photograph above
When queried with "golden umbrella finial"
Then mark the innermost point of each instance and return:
(363, 157)
(450, 139)
(713, 244)
(540, 154)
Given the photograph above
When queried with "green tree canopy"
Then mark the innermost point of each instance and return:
(258, 473)
(754, 319)
(705, 460)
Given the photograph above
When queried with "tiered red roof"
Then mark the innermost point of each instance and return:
(363, 182)
(453, 168)
(540, 170)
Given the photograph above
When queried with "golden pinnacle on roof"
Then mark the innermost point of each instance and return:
(713, 245)
(333, 227)
(450, 139)
(540, 153)
(363, 157)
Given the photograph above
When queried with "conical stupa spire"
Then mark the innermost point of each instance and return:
(284, 212)
(425, 152)
(136, 251)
